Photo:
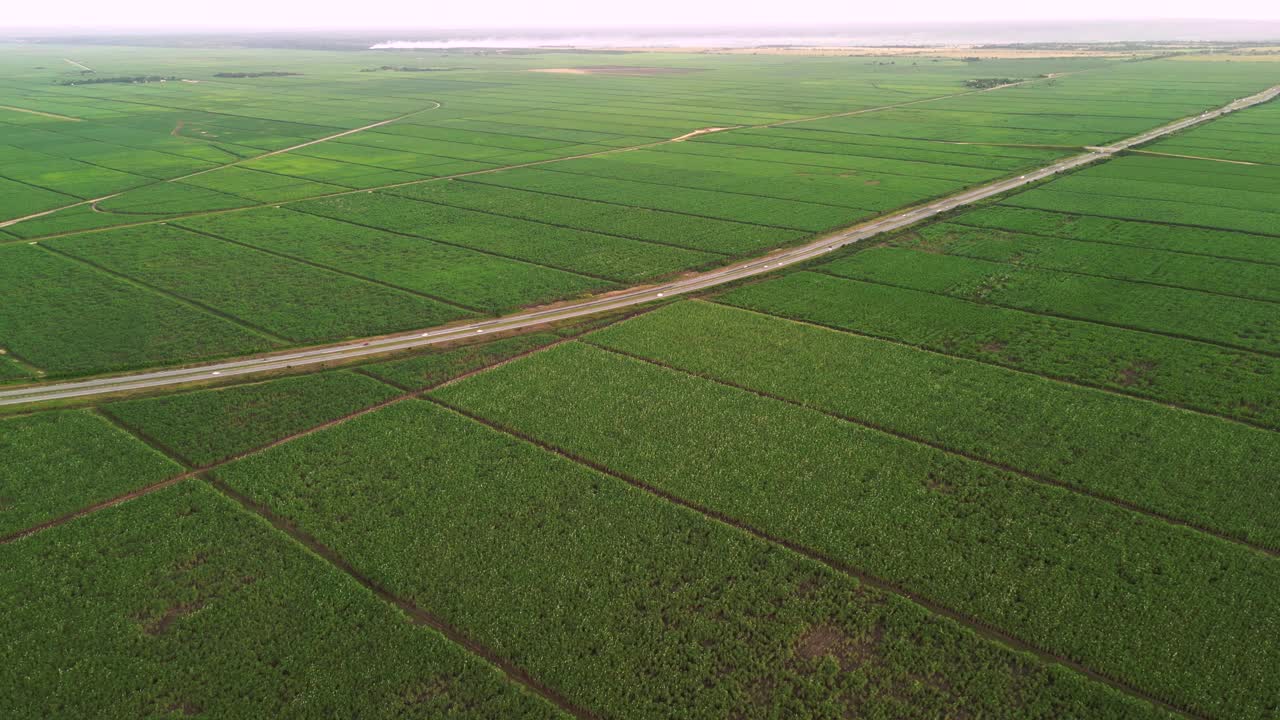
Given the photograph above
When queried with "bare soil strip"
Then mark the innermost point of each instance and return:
(82, 66)
(415, 614)
(702, 131)
(175, 132)
(1192, 157)
(982, 628)
(1118, 502)
(309, 143)
(55, 116)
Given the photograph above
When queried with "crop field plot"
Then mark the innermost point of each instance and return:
(669, 228)
(62, 461)
(1204, 242)
(195, 607)
(66, 317)
(1234, 383)
(717, 205)
(1230, 321)
(605, 257)
(742, 454)
(1176, 268)
(699, 595)
(277, 296)
(455, 275)
(348, 383)
(897, 389)
(212, 425)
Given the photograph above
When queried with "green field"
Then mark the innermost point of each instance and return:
(1016, 460)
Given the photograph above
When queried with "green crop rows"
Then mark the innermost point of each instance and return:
(984, 541)
(1016, 461)
(600, 583)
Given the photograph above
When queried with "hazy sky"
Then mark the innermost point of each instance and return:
(284, 14)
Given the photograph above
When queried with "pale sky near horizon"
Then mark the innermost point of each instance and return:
(544, 14)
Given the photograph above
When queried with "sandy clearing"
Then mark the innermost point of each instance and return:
(702, 131)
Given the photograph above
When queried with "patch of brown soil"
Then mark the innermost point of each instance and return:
(635, 71)
(849, 652)
(425, 691)
(869, 182)
(939, 484)
(994, 346)
(1138, 372)
(157, 626)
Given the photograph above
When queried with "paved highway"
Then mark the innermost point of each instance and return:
(636, 296)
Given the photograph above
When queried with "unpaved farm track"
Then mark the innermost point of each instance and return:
(627, 298)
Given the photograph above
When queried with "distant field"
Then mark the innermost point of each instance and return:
(810, 145)
(1015, 461)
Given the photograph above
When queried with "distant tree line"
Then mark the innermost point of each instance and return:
(272, 73)
(988, 83)
(121, 79)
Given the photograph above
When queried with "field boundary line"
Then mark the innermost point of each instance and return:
(1215, 228)
(1195, 157)
(979, 627)
(327, 268)
(565, 227)
(490, 253)
(195, 304)
(191, 471)
(785, 256)
(415, 614)
(615, 203)
(965, 358)
(1081, 273)
(435, 106)
(925, 100)
(607, 151)
(1045, 313)
(738, 193)
(45, 189)
(1185, 203)
(876, 157)
(103, 412)
(101, 505)
(959, 220)
(1027, 475)
(160, 181)
(896, 172)
(529, 191)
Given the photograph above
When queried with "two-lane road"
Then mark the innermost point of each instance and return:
(589, 306)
